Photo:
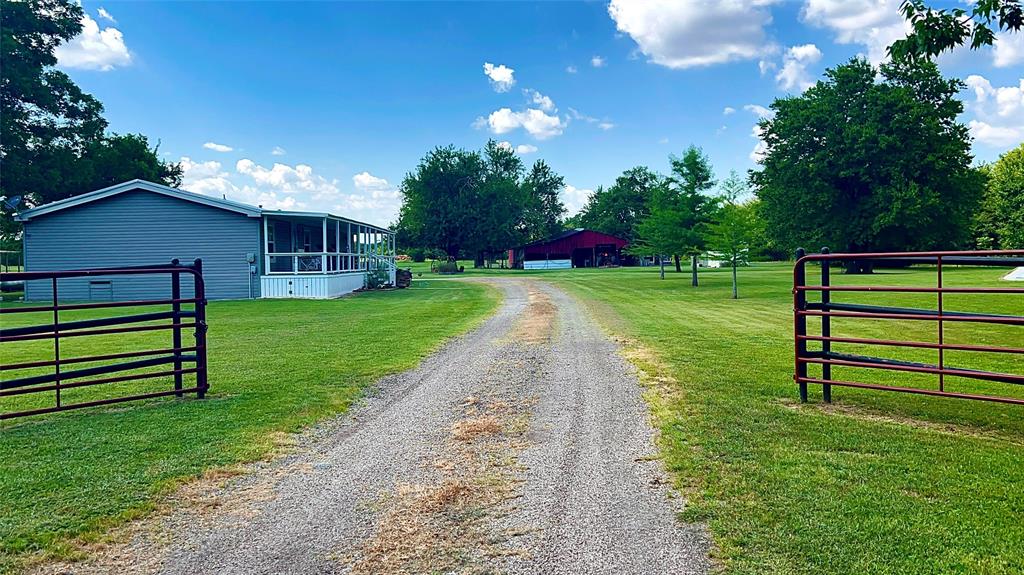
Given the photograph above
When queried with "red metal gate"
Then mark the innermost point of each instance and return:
(826, 309)
(182, 359)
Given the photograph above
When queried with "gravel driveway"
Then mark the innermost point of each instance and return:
(522, 447)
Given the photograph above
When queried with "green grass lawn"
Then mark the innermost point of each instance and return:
(274, 366)
(880, 483)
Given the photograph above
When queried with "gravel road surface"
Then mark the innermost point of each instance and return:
(522, 447)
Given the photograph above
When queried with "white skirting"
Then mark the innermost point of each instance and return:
(310, 286)
(547, 265)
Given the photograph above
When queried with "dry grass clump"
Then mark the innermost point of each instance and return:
(446, 527)
(535, 324)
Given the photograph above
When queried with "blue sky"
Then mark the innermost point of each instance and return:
(326, 105)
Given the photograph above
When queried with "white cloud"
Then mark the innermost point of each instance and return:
(571, 69)
(545, 103)
(102, 12)
(1008, 50)
(873, 24)
(728, 110)
(605, 125)
(760, 148)
(766, 66)
(998, 112)
(597, 62)
(94, 49)
(680, 34)
(759, 111)
(663, 141)
(602, 124)
(523, 149)
(575, 198)
(794, 72)
(217, 147)
(536, 122)
(501, 77)
(284, 187)
(278, 151)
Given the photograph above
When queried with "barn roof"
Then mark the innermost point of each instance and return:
(224, 204)
(579, 235)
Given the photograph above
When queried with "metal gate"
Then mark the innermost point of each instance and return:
(826, 309)
(173, 317)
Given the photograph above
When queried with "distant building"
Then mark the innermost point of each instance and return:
(577, 248)
(247, 251)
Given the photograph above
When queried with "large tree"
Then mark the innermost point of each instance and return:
(691, 177)
(478, 204)
(1000, 221)
(862, 163)
(619, 208)
(544, 208)
(52, 141)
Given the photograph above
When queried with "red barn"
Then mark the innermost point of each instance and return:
(577, 248)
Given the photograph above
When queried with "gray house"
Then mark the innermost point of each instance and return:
(247, 251)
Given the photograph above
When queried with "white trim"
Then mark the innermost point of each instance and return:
(131, 185)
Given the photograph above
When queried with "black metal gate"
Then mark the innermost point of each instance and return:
(182, 359)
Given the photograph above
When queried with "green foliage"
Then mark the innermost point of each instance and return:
(544, 209)
(859, 164)
(618, 209)
(1000, 221)
(52, 141)
(733, 236)
(377, 278)
(935, 31)
(460, 201)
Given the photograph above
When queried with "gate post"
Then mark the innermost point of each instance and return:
(200, 295)
(800, 322)
(176, 332)
(826, 328)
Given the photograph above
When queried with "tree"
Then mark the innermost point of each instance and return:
(864, 165)
(52, 141)
(935, 31)
(439, 199)
(499, 204)
(1001, 217)
(544, 208)
(662, 232)
(618, 209)
(733, 235)
(691, 176)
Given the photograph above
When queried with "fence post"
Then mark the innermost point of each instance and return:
(176, 332)
(200, 295)
(800, 322)
(826, 328)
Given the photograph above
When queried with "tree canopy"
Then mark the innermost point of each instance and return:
(859, 164)
(1000, 221)
(619, 208)
(467, 202)
(52, 135)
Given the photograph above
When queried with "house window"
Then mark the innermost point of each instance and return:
(270, 240)
(307, 245)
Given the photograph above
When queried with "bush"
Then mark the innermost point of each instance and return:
(419, 255)
(448, 268)
(378, 278)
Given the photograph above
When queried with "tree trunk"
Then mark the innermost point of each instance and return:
(735, 292)
(479, 261)
(661, 261)
(679, 268)
(693, 272)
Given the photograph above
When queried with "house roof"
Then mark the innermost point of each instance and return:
(224, 204)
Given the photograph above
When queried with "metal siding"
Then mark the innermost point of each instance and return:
(311, 286)
(138, 228)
